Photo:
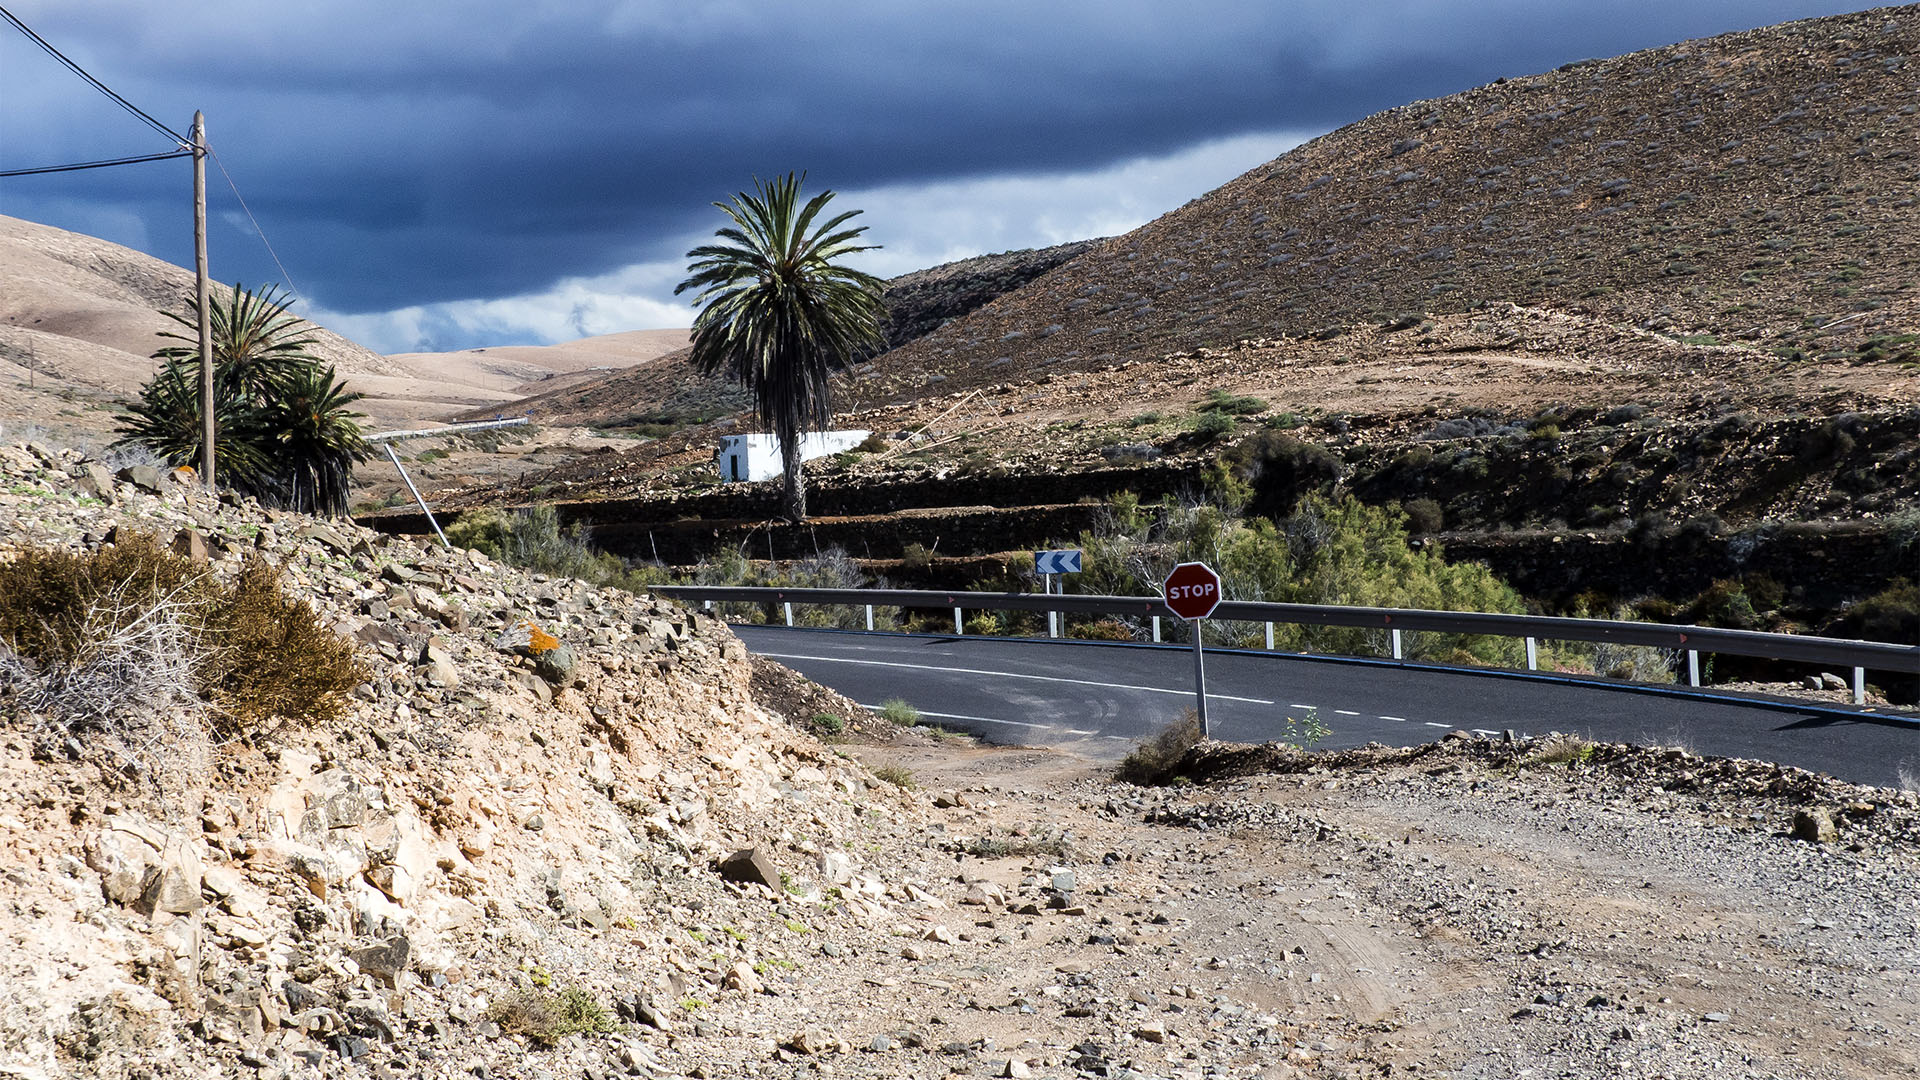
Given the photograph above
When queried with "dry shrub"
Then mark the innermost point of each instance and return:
(272, 656)
(1154, 758)
(106, 639)
(898, 775)
(55, 603)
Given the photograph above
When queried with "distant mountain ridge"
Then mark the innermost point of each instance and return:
(664, 390)
(1758, 186)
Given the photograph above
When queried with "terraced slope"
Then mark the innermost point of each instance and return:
(1756, 187)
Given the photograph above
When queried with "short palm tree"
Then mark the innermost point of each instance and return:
(284, 432)
(166, 420)
(779, 315)
(256, 340)
(313, 440)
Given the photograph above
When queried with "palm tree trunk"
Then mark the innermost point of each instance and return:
(794, 499)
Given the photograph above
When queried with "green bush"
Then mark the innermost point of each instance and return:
(532, 539)
(1211, 425)
(1328, 551)
(1236, 404)
(897, 711)
(829, 723)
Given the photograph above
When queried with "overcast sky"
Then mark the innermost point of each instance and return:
(448, 174)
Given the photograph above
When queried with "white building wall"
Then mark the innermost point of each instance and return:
(748, 458)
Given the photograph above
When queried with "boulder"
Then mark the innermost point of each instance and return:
(753, 866)
(1815, 825)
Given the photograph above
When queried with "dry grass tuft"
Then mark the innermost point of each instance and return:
(1154, 757)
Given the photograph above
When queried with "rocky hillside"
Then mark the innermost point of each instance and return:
(664, 394)
(402, 886)
(1757, 187)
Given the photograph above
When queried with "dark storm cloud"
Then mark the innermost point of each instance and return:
(404, 156)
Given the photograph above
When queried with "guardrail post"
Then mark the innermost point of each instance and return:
(1269, 637)
(1859, 686)
(1156, 628)
(788, 604)
(959, 628)
(1399, 653)
(1693, 667)
(706, 605)
(1533, 654)
(869, 618)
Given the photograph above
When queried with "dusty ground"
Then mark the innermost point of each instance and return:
(1435, 917)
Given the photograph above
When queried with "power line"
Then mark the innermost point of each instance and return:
(258, 231)
(97, 164)
(91, 81)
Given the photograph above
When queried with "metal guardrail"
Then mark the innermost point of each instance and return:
(1860, 656)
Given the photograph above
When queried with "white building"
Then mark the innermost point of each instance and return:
(757, 457)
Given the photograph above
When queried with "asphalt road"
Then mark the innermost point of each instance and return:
(1098, 699)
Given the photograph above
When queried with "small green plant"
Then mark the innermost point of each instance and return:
(692, 1004)
(897, 711)
(1154, 757)
(829, 723)
(698, 935)
(1211, 425)
(1235, 404)
(798, 927)
(1568, 750)
(547, 1018)
(1303, 732)
(898, 775)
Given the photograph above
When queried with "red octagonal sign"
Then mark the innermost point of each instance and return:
(1192, 590)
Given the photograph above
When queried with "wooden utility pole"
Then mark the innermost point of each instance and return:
(199, 136)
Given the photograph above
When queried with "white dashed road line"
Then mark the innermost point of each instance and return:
(1430, 723)
(1395, 719)
(1346, 712)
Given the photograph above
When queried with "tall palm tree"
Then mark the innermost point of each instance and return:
(779, 315)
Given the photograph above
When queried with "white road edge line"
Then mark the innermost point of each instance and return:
(962, 716)
(1430, 723)
(1396, 719)
(1345, 712)
(1014, 675)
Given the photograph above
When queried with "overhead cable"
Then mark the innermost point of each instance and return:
(97, 164)
(258, 231)
(91, 81)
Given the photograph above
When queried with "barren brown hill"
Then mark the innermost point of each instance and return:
(79, 319)
(1757, 187)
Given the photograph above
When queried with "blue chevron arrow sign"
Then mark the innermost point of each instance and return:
(1057, 562)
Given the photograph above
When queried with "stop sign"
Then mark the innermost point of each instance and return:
(1192, 590)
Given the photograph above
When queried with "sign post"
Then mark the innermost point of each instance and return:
(1192, 591)
(1048, 564)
